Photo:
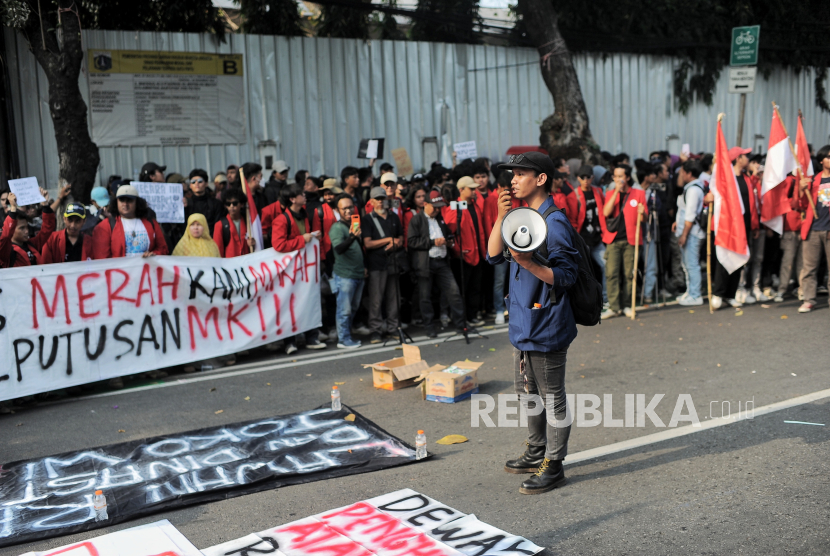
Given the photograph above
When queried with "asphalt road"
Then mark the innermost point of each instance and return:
(754, 486)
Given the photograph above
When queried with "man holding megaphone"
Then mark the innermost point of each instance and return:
(542, 326)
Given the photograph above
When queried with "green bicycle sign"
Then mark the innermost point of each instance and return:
(744, 50)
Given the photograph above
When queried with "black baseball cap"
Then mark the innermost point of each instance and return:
(532, 160)
(150, 168)
(75, 209)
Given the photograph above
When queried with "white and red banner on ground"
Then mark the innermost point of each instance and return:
(67, 324)
(401, 523)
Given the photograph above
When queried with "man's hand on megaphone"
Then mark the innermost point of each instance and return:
(505, 203)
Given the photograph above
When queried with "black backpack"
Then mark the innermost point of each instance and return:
(586, 293)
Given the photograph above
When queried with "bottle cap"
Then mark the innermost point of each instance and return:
(420, 432)
(97, 492)
(334, 387)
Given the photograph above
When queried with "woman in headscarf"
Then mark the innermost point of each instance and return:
(196, 241)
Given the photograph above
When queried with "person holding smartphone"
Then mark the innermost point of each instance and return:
(348, 272)
(291, 231)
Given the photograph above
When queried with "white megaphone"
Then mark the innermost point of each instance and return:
(523, 229)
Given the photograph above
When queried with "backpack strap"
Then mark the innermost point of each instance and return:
(112, 223)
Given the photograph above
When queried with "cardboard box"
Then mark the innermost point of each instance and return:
(444, 387)
(400, 372)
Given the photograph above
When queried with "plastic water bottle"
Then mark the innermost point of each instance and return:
(335, 399)
(420, 445)
(99, 504)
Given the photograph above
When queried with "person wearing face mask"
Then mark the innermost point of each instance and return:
(231, 233)
(16, 249)
(130, 231)
(71, 244)
(203, 201)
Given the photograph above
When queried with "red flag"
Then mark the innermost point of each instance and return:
(255, 224)
(780, 163)
(731, 247)
(802, 151)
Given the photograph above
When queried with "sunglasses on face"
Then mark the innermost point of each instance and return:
(197, 180)
(124, 199)
(232, 204)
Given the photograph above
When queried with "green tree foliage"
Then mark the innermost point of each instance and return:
(446, 21)
(699, 33)
(189, 16)
(343, 21)
(271, 17)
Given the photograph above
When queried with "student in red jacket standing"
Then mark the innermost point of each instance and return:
(231, 233)
(472, 241)
(16, 249)
(815, 229)
(132, 233)
(622, 205)
(69, 245)
(291, 231)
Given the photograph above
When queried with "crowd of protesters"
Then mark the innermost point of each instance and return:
(400, 251)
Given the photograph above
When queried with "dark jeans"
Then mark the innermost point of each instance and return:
(724, 285)
(383, 291)
(545, 374)
(472, 288)
(440, 272)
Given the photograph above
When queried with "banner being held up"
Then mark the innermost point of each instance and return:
(731, 245)
(67, 324)
(780, 163)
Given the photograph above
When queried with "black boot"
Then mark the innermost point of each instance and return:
(529, 461)
(551, 474)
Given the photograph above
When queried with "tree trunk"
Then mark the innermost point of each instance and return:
(61, 57)
(566, 133)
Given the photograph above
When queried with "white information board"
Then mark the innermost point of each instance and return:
(465, 150)
(27, 191)
(166, 98)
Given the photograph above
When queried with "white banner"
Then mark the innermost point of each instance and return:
(73, 323)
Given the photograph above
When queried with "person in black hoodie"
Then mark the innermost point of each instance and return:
(203, 200)
(278, 180)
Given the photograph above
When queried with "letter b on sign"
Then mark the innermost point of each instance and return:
(229, 67)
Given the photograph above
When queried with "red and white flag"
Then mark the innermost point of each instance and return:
(802, 151)
(731, 246)
(780, 163)
(255, 227)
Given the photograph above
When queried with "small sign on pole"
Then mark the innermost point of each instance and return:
(742, 80)
(744, 51)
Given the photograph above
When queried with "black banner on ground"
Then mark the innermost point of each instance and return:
(52, 496)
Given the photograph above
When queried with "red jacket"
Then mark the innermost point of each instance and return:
(55, 249)
(285, 239)
(269, 213)
(792, 219)
(328, 221)
(804, 205)
(567, 201)
(237, 243)
(474, 251)
(491, 210)
(21, 258)
(108, 240)
(637, 197)
(600, 199)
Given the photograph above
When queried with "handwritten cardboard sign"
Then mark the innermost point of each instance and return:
(465, 150)
(27, 191)
(164, 198)
(402, 162)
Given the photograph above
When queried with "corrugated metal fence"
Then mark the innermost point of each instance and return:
(315, 98)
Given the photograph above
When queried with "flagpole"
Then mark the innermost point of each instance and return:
(795, 156)
(636, 261)
(709, 233)
(244, 183)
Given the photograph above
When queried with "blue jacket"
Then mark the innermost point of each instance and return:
(551, 327)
